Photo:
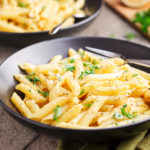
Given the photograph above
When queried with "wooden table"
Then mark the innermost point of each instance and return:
(14, 136)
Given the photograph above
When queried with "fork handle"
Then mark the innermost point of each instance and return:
(144, 64)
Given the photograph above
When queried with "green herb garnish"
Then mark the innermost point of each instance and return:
(68, 68)
(45, 94)
(29, 90)
(128, 115)
(72, 60)
(57, 112)
(23, 5)
(116, 123)
(85, 64)
(87, 72)
(43, 7)
(94, 62)
(130, 36)
(33, 78)
(112, 35)
(89, 60)
(88, 105)
(82, 91)
(143, 18)
(80, 77)
(134, 75)
(118, 116)
(81, 53)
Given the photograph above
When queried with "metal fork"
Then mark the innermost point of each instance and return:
(135, 62)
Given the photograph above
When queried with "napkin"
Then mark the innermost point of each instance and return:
(138, 142)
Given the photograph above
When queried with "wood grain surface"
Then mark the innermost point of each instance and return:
(127, 12)
(14, 136)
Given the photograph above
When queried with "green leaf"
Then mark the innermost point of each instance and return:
(43, 7)
(88, 105)
(69, 68)
(81, 53)
(116, 123)
(80, 77)
(143, 18)
(82, 91)
(72, 60)
(57, 112)
(45, 94)
(89, 60)
(130, 36)
(128, 115)
(85, 64)
(23, 5)
(118, 116)
(33, 78)
(134, 75)
(94, 62)
(112, 35)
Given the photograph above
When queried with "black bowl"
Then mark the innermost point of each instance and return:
(25, 39)
(41, 53)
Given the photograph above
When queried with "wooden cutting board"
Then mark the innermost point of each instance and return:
(127, 12)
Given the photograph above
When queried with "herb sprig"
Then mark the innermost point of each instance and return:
(45, 94)
(57, 113)
(143, 18)
(128, 115)
(33, 78)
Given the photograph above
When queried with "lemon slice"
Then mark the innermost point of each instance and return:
(135, 3)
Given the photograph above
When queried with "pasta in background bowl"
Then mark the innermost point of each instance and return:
(39, 15)
(122, 102)
(31, 21)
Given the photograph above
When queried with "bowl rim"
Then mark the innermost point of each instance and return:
(88, 19)
(41, 125)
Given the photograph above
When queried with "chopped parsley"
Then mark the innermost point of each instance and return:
(130, 36)
(45, 94)
(82, 91)
(89, 60)
(116, 123)
(80, 77)
(134, 75)
(57, 112)
(30, 90)
(23, 5)
(128, 115)
(143, 18)
(33, 78)
(87, 72)
(81, 53)
(118, 116)
(94, 62)
(88, 105)
(72, 60)
(68, 68)
(85, 64)
(112, 35)
(43, 7)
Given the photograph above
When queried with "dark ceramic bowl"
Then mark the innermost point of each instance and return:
(25, 39)
(41, 53)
